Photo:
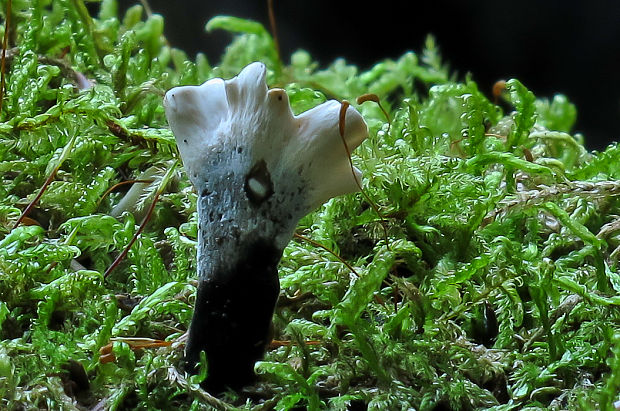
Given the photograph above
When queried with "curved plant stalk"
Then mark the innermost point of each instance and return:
(375, 99)
(147, 8)
(286, 343)
(344, 105)
(63, 156)
(162, 186)
(135, 343)
(274, 31)
(5, 44)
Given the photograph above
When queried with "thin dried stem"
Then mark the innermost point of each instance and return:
(274, 32)
(5, 44)
(122, 255)
(147, 8)
(63, 156)
(341, 125)
(145, 220)
(375, 99)
(593, 190)
(34, 202)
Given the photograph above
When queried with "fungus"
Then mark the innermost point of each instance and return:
(257, 169)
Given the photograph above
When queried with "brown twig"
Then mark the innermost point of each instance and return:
(5, 43)
(286, 343)
(63, 156)
(80, 81)
(135, 343)
(133, 137)
(145, 220)
(122, 255)
(375, 99)
(540, 194)
(34, 202)
(274, 32)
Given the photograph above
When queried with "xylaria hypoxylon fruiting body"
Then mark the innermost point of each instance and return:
(257, 169)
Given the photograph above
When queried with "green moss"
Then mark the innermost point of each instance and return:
(501, 226)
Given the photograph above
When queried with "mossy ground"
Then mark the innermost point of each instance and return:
(490, 281)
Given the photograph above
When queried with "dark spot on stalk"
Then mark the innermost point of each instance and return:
(258, 185)
(205, 193)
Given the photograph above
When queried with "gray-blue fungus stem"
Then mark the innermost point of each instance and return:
(257, 169)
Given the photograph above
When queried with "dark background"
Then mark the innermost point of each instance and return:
(551, 46)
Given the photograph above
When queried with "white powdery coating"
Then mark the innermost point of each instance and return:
(224, 129)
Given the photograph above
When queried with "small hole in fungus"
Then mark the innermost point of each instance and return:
(258, 185)
(280, 97)
(239, 150)
(185, 141)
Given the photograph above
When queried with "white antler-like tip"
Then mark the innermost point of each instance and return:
(241, 115)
